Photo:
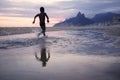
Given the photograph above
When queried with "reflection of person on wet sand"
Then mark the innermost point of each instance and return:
(44, 54)
(43, 57)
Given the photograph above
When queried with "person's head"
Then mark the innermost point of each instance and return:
(42, 9)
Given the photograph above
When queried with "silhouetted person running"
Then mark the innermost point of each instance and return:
(42, 16)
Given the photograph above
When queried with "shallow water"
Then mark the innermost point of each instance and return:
(63, 55)
(86, 41)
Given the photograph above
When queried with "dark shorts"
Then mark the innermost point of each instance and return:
(42, 25)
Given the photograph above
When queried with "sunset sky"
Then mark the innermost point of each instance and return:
(20, 13)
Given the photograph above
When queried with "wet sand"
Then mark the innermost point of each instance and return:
(21, 64)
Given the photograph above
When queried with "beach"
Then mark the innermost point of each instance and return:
(67, 53)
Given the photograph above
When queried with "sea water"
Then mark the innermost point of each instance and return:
(88, 41)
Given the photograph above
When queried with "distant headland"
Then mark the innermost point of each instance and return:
(81, 20)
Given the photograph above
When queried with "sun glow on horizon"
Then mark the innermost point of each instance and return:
(20, 13)
(24, 22)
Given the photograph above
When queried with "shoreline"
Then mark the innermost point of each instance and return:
(112, 30)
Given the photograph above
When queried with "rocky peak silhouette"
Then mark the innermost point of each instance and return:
(81, 20)
(80, 15)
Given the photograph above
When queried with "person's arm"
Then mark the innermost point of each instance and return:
(37, 57)
(47, 17)
(35, 18)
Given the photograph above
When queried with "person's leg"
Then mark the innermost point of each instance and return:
(43, 28)
(44, 31)
(39, 32)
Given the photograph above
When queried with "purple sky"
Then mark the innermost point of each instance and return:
(58, 10)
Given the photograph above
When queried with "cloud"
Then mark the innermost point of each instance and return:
(90, 7)
(27, 8)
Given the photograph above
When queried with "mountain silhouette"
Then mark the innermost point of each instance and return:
(81, 20)
(78, 20)
(104, 17)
